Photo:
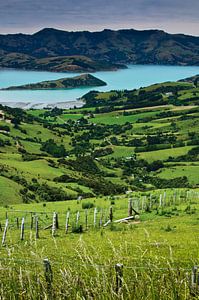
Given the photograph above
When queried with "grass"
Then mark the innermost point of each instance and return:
(157, 254)
(9, 191)
(190, 171)
(117, 118)
(121, 151)
(164, 154)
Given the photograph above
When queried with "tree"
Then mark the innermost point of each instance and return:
(53, 149)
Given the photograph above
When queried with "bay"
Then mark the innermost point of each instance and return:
(134, 77)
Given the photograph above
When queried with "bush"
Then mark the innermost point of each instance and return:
(77, 229)
(87, 205)
(53, 149)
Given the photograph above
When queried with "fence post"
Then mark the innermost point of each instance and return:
(130, 208)
(77, 219)
(54, 224)
(4, 233)
(48, 274)
(195, 281)
(36, 227)
(31, 221)
(95, 216)
(86, 218)
(111, 214)
(17, 221)
(119, 277)
(57, 221)
(67, 221)
(22, 229)
(101, 217)
(160, 201)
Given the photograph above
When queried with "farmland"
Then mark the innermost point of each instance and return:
(156, 249)
(83, 162)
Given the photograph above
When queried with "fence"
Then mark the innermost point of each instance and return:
(91, 218)
(191, 274)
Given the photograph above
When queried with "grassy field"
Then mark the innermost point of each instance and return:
(157, 252)
(118, 118)
(191, 171)
(164, 154)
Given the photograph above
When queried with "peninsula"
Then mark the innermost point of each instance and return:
(84, 80)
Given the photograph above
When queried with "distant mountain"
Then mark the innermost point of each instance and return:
(63, 83)
(49, 49)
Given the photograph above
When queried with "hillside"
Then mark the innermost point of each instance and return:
(132, 140)
(84, 80)
(56, 63)
(56, 50)
(183, 92)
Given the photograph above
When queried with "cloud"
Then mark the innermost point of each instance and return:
(29, 15)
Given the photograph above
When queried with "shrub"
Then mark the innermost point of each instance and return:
(77, 229)
(87, 205)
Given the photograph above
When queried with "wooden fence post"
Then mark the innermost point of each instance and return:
(130, 208)
(119, 277)
(36, 227)
(4, 232)
(195, 278)
(111, 214)
(142, 204)
(160, 201)
(57, 221)
(67, 220)
(95, 216)
(86, 218)
(101, 218)
(17, 221)
(22, 229)
(194, 285)
(54, 224)
(31, 221)
(48, 274)
(77, 219)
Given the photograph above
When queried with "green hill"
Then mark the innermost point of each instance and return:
(63, 83)
(140, 140)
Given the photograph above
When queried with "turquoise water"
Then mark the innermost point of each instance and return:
(133, 77)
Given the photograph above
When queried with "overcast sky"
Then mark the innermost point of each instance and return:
(29, 16)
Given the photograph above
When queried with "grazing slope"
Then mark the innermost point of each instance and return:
(139, 140)
(63, 83)
(51, 49)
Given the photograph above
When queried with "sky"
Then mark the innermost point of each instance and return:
(29, 16)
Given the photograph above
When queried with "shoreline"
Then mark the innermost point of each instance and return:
(40, 105)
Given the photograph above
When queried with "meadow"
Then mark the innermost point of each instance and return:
(156, 250)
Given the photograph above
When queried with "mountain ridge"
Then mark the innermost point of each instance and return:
(122, 46)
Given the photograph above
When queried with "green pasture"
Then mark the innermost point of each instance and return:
(164, 154)
(157, 251)
(190, 171)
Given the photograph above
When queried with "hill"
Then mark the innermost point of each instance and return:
(51, 49)
(75, 63)
(63, 83)
(137, 140)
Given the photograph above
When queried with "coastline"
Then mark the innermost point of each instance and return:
(40, 105)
